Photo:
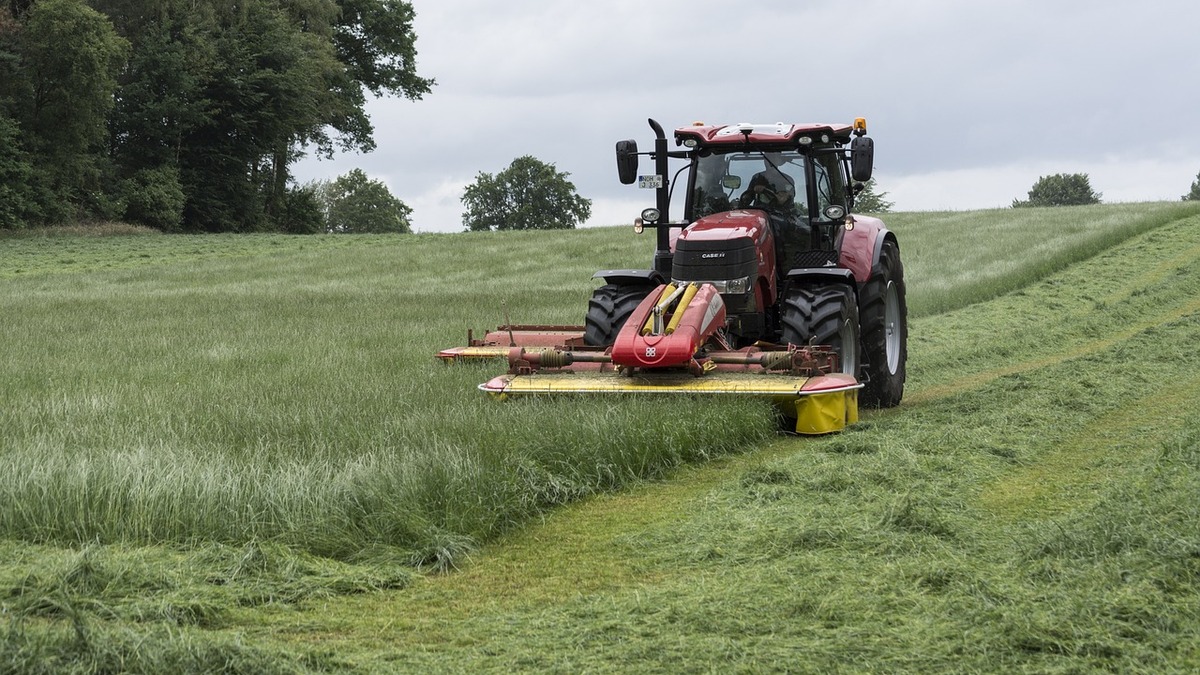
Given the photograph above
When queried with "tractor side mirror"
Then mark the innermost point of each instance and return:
(627, 161)
(731, 182)
(862, 158)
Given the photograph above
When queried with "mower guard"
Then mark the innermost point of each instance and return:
(818, 405)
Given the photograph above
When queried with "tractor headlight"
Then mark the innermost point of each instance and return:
(730, 286)
(737, 286)
(651, 215)
(834, 212)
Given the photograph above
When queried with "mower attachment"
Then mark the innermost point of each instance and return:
(671, 344)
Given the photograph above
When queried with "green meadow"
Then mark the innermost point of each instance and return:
(238, 453)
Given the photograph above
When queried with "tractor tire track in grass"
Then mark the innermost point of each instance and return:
(1164, 298)
(1073, 474)
(1032, 365)
(1108, 282)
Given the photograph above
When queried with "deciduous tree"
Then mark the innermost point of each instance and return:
(60, 92)
(17, 207)
(215, 100)
(872, 200)
(354, 203)
(528, 195)
(1061, 189)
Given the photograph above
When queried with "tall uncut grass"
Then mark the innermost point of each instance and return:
(268, 388)
(285, 389)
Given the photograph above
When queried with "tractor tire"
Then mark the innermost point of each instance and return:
(609, 309)
(883, 311)
(824, 314)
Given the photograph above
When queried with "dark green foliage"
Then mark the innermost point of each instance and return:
(1194, 194)
(16, 200)
(60, 91)
(872, 201)
(303, 211)
(261, 91)
(155, 198)
(1061, 189)
(69, 58)
(354, 204)
(222, 97)
(528, 195)
(375, 45)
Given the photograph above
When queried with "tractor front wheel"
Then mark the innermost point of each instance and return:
(824, 314)
(609, 309)
(884, 314)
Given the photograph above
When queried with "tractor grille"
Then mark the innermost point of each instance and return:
(815, 259)
(714, 260)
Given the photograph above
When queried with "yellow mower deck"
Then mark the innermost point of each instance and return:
(819, 405)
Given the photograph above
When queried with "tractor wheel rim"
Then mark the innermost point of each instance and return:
(891, 326)
(849, 353)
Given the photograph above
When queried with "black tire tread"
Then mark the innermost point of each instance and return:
(882, 389)
(609, 309)
(814, 315)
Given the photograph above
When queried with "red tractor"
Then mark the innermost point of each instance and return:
(767, 286)
(767, 221)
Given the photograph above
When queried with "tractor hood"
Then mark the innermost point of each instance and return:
(749, 224)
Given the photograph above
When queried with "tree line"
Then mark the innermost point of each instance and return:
(185, 115)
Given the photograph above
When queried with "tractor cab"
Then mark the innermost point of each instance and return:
(773, 182)
(802, 176)
(801, 182)
(762, 203)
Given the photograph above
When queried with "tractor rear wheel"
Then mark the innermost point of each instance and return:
(824, 314)
(884, 314)
(609, 309)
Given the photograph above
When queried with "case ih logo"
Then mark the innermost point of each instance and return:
(712, 255)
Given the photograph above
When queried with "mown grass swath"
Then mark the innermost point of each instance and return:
(1030, 512)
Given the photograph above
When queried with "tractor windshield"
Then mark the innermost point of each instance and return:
(773, 181)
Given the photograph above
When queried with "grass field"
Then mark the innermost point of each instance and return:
(230, 452)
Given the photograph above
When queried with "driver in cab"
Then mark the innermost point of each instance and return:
(769, 187)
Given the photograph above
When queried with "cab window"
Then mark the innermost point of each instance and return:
(831, 188)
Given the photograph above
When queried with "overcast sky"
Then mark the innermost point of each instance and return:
(968, 102)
